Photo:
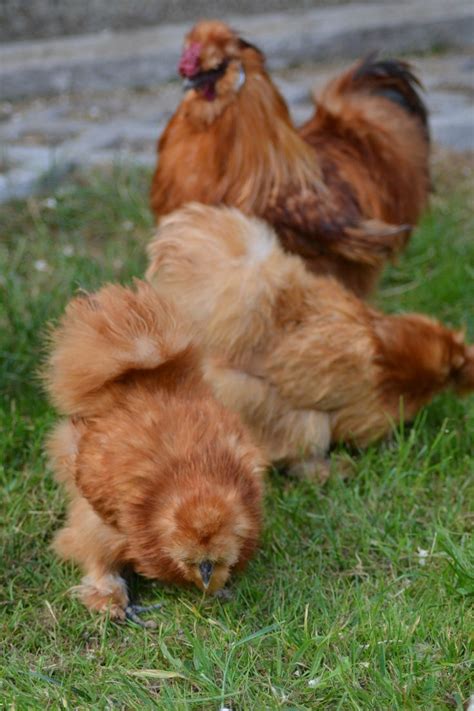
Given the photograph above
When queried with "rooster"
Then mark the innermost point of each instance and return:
(342, 191)
(161, 477)
(303, 360)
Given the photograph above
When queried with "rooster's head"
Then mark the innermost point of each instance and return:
(213, 59)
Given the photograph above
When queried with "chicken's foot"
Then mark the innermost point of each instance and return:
(133, 612)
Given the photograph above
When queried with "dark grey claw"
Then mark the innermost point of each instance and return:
(224, 595)
(133, 612)
(146, 608)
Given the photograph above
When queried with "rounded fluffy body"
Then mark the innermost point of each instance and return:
(160, 475)
(302, 359)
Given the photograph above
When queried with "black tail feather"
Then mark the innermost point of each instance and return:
(395, 80)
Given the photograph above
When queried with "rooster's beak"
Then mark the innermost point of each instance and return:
(188, 84)
(206, 569)
(197, 80)
(201, 78)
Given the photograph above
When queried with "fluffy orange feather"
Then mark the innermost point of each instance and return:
(342, 191)
(161, 477)
(301, 358)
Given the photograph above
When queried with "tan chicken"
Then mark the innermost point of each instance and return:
(302, 359)
(342, 191)
(161, 477)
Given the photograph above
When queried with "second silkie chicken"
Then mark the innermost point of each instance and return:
(301, 358)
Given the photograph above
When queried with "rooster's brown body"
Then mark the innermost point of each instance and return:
(342, 191)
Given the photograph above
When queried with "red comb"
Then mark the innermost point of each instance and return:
(190, 61)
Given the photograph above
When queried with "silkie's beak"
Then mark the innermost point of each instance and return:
(206, 568)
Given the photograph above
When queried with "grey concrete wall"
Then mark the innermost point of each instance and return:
(141, 58)
(29, 19)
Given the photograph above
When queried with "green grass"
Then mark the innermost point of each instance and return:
(337, 610)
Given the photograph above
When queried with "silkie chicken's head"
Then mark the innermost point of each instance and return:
(213, 533)
(212, 61)
(205, 522)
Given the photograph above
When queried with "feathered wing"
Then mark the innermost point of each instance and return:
(104, 336)
(316, 221)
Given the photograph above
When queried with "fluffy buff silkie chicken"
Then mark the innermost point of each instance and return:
(342, 191)
(301, 358)
(161, 477)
